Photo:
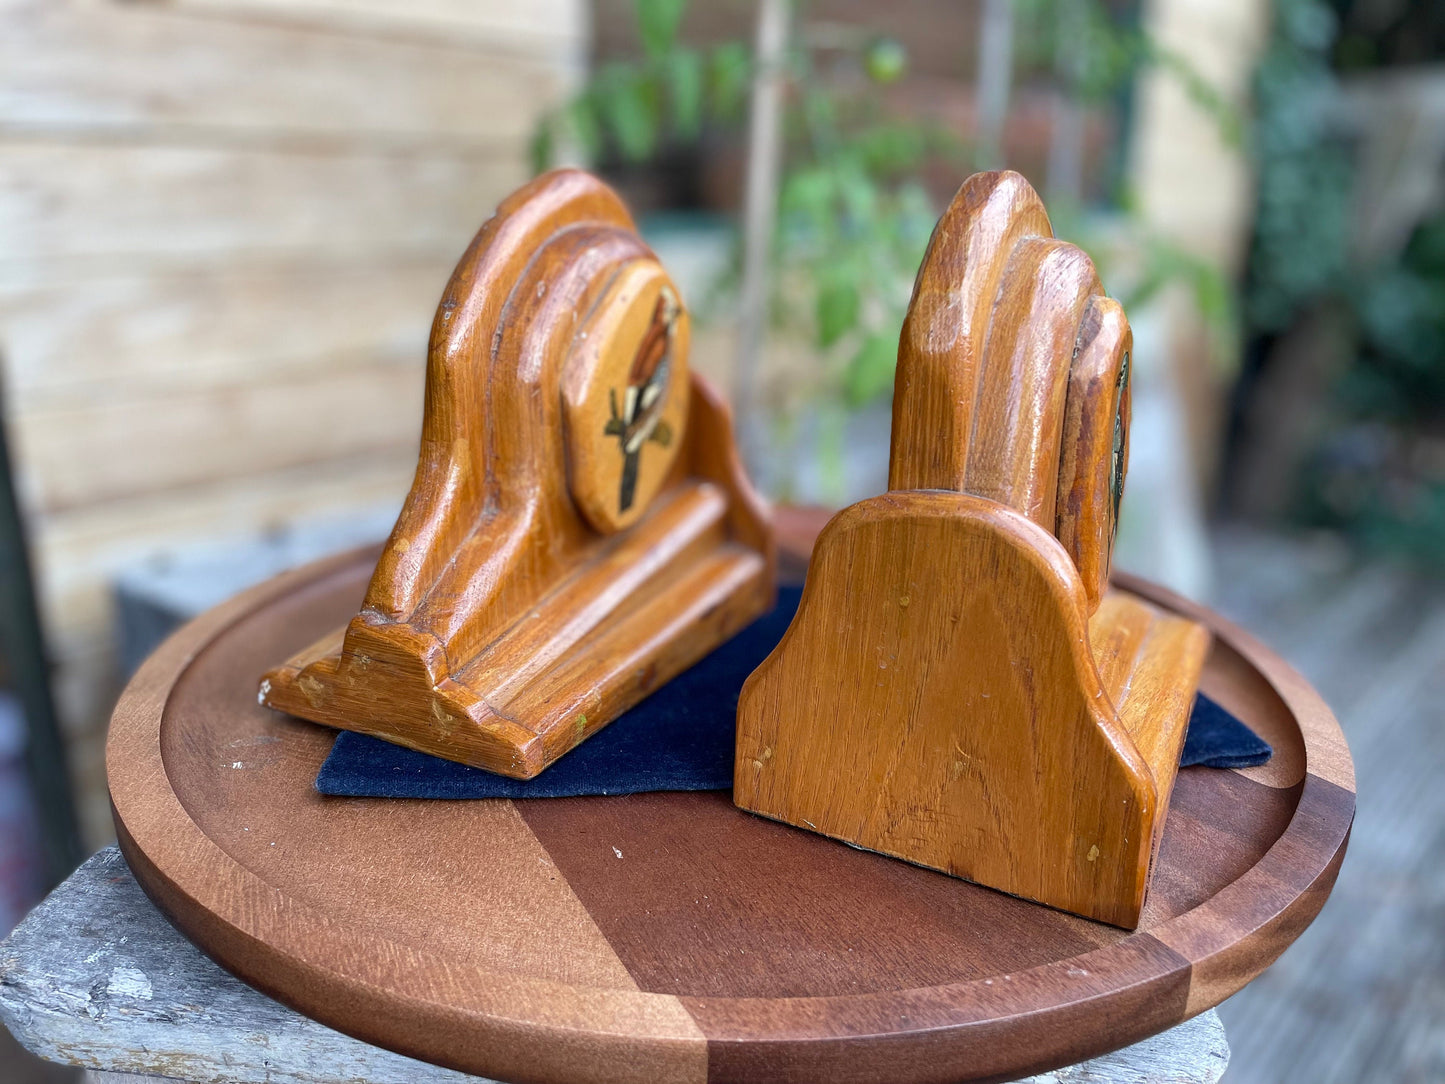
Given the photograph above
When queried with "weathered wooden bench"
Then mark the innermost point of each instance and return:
(97, 977)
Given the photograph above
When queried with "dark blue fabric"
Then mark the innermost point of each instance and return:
(1216, 739)
(679, 738)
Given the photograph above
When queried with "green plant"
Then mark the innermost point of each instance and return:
(672, 91)
(854, 217)
(853, 220)
(1376, 465)
(1305, 174)
(853, 224)
(1109, 52)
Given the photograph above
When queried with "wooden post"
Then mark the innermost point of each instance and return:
(759, 213)
(995, 79)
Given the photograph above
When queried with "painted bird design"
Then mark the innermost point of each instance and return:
(638, 418)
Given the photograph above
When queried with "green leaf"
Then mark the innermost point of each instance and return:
(885, 60)
(685, 78)
(890, 150)
(581, 117)
(730, 74)
(657, 23)
(870, 372)
(809, 193)
(837, 311)
(627, 102)
(860, 196)
(543, 149)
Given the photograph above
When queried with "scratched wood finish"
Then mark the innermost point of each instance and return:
(959, 688)
(579, 529)
(671, 937)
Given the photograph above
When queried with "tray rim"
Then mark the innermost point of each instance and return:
(543, 1030)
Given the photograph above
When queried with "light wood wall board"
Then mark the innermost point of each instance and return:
(113, 204)
(525, 26)
(1194, 186)
(76, 343)
(236, 427)
(216, 216)
(1191, 183)
(153, 71)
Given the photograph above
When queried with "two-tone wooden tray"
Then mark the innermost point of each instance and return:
(671, 937)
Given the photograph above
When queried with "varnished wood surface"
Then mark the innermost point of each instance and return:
(963, 728)
(579, 530)
(957, 689)
(672, 936)
(97, 977)
(1012, 372)
(1094, 456)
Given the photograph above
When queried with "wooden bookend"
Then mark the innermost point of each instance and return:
(579, 530)
(960, 687)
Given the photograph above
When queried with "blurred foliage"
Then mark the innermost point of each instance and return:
(1109, 50)
(1378, 471)
(1378, 468)
(1305, 172)
(853, 224)
(854, 217)
(1387, 33)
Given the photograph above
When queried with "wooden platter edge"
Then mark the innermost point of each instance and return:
(1166, 975)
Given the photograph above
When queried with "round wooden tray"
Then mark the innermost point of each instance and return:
(664, 937)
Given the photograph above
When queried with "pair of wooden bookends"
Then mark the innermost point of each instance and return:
(959, 688)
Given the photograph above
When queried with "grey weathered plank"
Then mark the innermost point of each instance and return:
(1361, 995)
(96, 977)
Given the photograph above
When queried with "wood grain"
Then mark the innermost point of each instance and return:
(940, 351)
(1023, 382)
(244, 425)
(107, 206)
(1002, 388)
(1094, 455)
(142, 331)
(792, 957)
(158, 1005)
(542, 26)
(158, 72)
(564, 549)
(1002, 762)
(942, 694)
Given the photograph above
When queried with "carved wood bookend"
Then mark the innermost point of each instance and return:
(579, 530)
(960, 687)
